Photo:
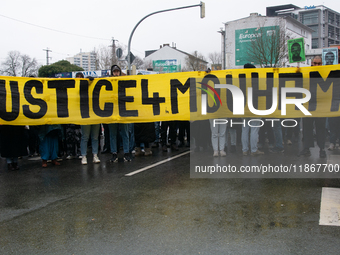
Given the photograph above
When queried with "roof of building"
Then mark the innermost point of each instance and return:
(183, 52)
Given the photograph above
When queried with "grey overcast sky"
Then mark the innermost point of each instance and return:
(66, 27)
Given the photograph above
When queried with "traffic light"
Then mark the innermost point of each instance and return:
(202, 10)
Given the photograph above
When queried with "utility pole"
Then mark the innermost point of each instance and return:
(113, 58)
(222, 32)
(47, 57)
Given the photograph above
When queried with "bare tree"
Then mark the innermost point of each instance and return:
(216, 60)
(104, 55)
(147, 64)
(29, 67)
(268, 47)
(138, 62)
(17, 64)
(195, 62)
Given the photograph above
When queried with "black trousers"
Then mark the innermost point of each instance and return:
(308, 132)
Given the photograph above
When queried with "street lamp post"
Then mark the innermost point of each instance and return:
(201, 4)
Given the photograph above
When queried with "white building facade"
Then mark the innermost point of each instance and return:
(169, 60)
(324, 21)
(85, 60)
(238, 35)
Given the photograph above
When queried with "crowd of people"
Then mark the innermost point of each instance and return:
(70, 141)
(253, 137)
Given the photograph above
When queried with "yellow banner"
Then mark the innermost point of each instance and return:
(266, 92)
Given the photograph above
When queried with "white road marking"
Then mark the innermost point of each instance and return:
(330, 207)
(157, 164)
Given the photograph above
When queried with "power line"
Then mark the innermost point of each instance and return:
(51, 29)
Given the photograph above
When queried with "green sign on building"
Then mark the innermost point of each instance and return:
(244, 39)
(166, 66)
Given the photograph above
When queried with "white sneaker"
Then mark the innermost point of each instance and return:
(84, 160)
(215, 154)
(223, 153)
(331, 147)
(96, 159)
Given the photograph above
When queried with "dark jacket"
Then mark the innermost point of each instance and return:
(145, 132)
(13, 140)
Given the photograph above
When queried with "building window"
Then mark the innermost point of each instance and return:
(331, 31)
(316, 31)
(330, 18)
(310, 18)
(315, 43)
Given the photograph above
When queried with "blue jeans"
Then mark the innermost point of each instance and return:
(232, 133)
(254, 136)
(86, 131)
(157, 130)
(277, 130)
(132, 143)
(218, 134)
(124, 133)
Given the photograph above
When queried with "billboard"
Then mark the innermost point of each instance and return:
(244, 39)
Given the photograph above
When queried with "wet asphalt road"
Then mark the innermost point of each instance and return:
(96, 209)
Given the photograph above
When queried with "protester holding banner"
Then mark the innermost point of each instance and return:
(331, 56)
(250, 134)
(123, 129)
(86, 131)
(49, 143)
(308, 129)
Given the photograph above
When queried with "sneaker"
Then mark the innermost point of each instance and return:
(277, 150)
(84, 160)
(223, 153)
(322, 153)
(69, 157)
(331, 147)
(95, 158)
(164, 148)
(114, 158)
(305, 152)
(215, 154)
(257, 153)
(127, 157)
(245, 153)
(289, 142)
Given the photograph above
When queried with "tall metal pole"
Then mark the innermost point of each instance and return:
(201, 4)
(223, 48)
